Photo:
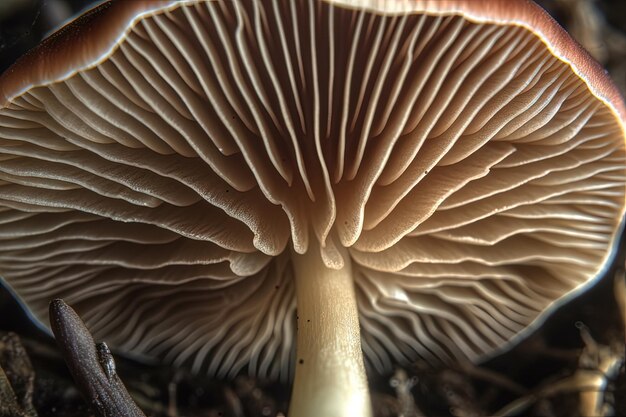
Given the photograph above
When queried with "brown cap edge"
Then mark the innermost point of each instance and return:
(92, 37)
(84, 42)
(523, 13)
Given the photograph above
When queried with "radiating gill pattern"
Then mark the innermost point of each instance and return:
(470, 173)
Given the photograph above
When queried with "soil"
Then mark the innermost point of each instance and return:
(573, 365)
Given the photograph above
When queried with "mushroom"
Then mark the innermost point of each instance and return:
(423, 180)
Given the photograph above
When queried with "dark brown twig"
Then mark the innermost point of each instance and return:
(91, 365)
(494, 378)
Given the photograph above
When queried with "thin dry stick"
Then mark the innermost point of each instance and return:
(598, 364)
(492, 377)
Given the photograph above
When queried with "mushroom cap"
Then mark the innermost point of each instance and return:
(469, 155)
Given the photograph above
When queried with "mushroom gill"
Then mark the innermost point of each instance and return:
(179, 186)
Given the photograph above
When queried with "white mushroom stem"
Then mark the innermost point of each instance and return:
(330, 378)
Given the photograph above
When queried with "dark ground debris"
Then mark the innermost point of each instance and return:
(572, 366)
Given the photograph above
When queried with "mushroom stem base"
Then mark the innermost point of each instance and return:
(330, 378)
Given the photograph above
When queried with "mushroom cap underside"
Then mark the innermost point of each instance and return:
(472, 167)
